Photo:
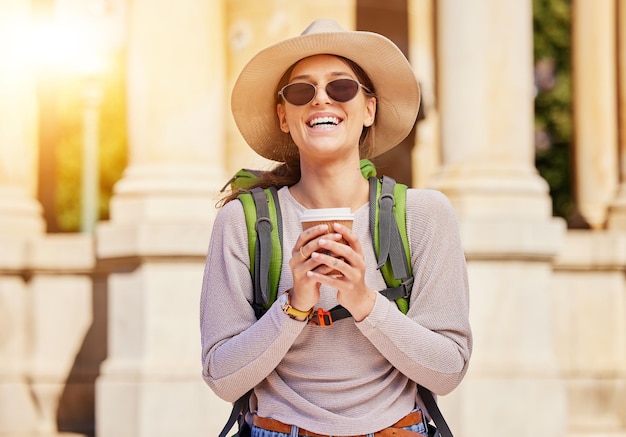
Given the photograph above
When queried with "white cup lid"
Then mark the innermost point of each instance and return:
(324, 214)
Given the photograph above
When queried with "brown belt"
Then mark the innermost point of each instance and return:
(394, 430)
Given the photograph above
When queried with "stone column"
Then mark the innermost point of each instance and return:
(589, 288)
(422, 54)
(617, 210)
(161, 215)
(595, 109)
(252, 26)
(20, 215)
(64, 320)
(510, 238)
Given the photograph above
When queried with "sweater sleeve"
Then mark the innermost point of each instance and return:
(238, 351)
(432, 344)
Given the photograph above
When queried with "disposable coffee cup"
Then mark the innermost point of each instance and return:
(327, 216)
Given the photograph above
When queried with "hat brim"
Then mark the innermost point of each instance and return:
(253, 98)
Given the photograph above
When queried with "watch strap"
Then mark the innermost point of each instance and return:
(293, 312)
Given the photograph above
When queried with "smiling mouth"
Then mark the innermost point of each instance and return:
(324, 122)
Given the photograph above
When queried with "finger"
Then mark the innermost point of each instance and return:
(339, 249)
(304, 252)
(305, 245)
(355, 257)
(331, 262)
(301, 262)
(322, 269)
(351, 237)
(309, 234)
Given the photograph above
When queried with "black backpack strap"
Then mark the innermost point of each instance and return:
(433, 410)
(263, 250)
(385, 216)
(390, 245)
(262, 256)
(390, 242)
(240, 407)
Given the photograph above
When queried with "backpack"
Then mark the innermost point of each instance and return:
(388, 231)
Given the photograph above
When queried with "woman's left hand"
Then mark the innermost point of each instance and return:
(352, 293)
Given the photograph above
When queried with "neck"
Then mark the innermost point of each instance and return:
(331, 186)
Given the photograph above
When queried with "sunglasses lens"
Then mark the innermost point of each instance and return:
(299, 93)
(342, 90)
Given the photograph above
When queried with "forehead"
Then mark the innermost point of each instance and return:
(319, 65)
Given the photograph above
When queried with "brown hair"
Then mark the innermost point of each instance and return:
(288, 173)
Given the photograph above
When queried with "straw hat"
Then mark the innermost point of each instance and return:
(253, 99)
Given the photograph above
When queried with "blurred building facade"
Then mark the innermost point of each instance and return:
(99, 332)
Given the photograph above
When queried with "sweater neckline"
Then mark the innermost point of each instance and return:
(302, 208)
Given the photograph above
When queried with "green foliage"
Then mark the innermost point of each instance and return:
(112, 150)
(113, 131)
(69, 157)
(553, 109)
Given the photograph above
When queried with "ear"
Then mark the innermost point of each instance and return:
(370, 112)
(282, 118)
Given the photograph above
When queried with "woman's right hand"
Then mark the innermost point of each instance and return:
(306, 291)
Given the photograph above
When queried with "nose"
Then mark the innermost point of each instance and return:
(321, 96)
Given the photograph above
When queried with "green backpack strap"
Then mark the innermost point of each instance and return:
(264, 225)
(367, 168)
(242, 180)
(388, 230)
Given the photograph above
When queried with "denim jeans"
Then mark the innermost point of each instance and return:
(419, 428)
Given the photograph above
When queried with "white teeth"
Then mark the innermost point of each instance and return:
(324, 120)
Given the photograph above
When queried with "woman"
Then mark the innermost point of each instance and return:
(317, 104)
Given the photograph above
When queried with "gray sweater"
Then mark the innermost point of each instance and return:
(349, 378)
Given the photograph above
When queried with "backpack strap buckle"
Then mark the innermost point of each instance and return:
(262, 220)
(401, 291)
(407, 286)
(321, 318)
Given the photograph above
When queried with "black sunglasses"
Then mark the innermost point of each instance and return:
(340, 90)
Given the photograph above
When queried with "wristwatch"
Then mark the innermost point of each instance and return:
(285, 303)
